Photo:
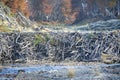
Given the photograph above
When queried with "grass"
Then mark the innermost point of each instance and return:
(4, 28)
(52, 41)
(39, 39)
(107, 58)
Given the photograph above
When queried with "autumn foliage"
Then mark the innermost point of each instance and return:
(18, 5)
(66, 11)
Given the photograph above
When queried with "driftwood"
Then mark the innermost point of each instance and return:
(58, 46)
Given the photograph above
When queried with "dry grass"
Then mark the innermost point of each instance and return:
(4, 28)
(71, 73)
(107, 58)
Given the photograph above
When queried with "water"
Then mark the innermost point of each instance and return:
(61, 72)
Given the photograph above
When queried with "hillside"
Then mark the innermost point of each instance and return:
(66, 11)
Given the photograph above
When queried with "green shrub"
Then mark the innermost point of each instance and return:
(91, 36)
(53, 41)
(39, 39)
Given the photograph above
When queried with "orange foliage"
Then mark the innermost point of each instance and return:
(70, 9)
(69, 12)
(18, 5)
(47, 7)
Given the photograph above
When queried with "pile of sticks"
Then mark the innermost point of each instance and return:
(58, 46)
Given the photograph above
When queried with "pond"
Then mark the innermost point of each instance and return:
(61, 72)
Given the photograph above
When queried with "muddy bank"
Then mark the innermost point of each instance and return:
(22, 47)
